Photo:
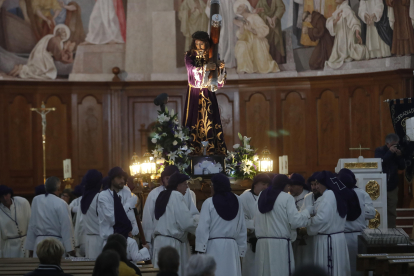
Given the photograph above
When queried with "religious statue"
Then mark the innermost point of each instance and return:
(201, 114)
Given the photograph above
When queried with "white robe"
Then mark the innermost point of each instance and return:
(93, 241)
(148, 216)
(299, 200)
(353, 228)
(104, 24)
(222, 239)
(345, 48)
(134, 254)
(172, 229)
(13, 228)
(304, 253)
(375, 45)
(50, 218)
(328, 221)
(40, 64)
(79, 232)
(272, 254)
(299, 250)
(129, 201)
(249, 202)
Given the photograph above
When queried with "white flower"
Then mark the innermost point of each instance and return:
(172, 112)
(175, 143)
(156, 136)
(246, 140)
(181, 135)
(164, 134)
(255, 158)
(153, 140)
(247, 147)
(162, 118)
(155, 153)
(188, 152)
(247, 170)
(172, 155)
(236, 146)
(184, 148)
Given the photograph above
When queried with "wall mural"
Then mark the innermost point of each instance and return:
(39, 38)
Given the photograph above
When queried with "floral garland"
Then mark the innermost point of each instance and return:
(170, 140)
(242, 163)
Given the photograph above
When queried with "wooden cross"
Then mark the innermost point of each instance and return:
(360, 149)
(43, 111)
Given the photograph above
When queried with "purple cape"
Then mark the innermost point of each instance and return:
(354, 208)
(92, 182)
(40, 190)
(122, 223)
(224, 201)
(268, 197)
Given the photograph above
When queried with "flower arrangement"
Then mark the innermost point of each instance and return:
(170, 140)
(242, 163)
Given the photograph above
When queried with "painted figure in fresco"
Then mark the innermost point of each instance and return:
(227, 32)
(375, 14)
(305, 39)
(193, 18)
(49, 49)
(323, 50)
(272, 12)
(346, 28)
(201, 113)
(402, 19)
(107, 23)
(46, 12)
(252, 47)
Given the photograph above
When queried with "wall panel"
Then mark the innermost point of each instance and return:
(257, 120)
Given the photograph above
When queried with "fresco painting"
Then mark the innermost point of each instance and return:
(39, 38)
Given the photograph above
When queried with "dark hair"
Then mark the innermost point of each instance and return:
(392, 137)
(51, 184)
(118, 238)
(69, 192)
(199, 35)
(118, 248)
(107, 264)
(168, 259)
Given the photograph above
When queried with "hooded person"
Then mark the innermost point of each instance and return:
(74, 204)
(366, 210)
(328, 225)
(298, 189)
(92, 182)
(14, 216)
(221, 231)
(148, 216)
(77, 219)
(173, 220)
(249, 202)
(275, 222)
(40, 190)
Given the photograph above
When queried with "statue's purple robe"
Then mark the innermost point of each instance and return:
(201, 112)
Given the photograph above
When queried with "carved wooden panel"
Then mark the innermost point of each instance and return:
(294, 128)
(361, 123)
(20, 134)
(257, 121)
(226, 114)
(90, 140)
(56, 134)
(385, 116)
(142, 115)
(328, 129)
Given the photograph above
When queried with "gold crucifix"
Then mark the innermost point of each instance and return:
(43, 111)
(360, 149)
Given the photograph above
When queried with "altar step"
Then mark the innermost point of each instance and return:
(405, 219)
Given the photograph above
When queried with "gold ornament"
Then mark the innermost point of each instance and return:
(373, 189)
(375, 222)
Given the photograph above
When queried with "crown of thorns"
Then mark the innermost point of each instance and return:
(200, 35)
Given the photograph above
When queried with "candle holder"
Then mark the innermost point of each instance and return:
(68, 183)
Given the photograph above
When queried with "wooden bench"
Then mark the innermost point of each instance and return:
(382, 264)
(22, 266)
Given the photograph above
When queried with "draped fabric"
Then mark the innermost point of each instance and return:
(332, 183)
(224, 201)
(92, 182)
(122, 224)
(400, 111)
(268, 197)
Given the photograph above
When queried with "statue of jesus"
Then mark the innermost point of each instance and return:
(201, 113)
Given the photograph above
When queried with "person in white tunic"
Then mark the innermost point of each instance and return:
(298, 189)
(111, 212)
(173, 220)
(304, 254)
(345, 26)
(354, 228)
(370, 12)
(148, 217)
(275, 223)
(221, 231)
(14, 216)
(328, 225)
(50, 218)
(77, 219)
(88, 208)
(249, 202)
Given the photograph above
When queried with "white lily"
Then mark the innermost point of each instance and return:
(155, 153)
(236, 146)
(172, 112)
(154, 141)
(246, 140)
(172, 155)
(181, 136)
(162, 118)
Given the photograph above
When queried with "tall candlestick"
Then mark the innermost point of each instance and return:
(67, 169)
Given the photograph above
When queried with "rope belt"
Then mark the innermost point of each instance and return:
(288, 244)
(92, 234)
(171, 237)
(350, 232)
(222, 238)
(16, 237)
(49, 236)
(330, 261)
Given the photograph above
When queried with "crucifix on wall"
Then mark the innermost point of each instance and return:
(43, 111)
(360, 149)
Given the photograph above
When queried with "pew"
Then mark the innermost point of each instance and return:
(16, 266)
(378, 262)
